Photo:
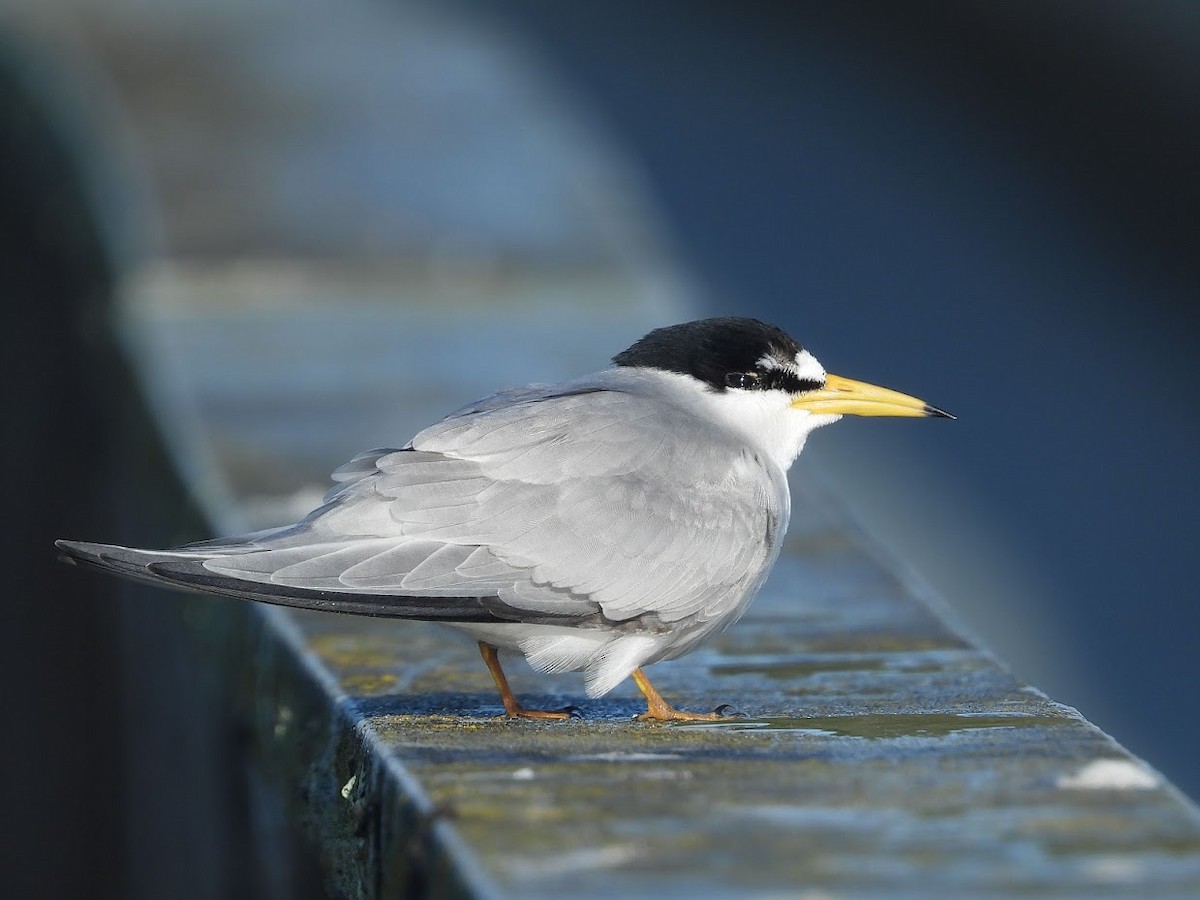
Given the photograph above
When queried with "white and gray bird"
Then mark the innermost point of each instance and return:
(598, 525)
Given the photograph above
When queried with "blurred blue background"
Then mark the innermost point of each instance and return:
(992, 206)
(995, 207)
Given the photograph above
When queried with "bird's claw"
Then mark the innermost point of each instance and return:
(564, 714)
(666, 713)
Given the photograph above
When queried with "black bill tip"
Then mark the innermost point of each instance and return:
(936, 413)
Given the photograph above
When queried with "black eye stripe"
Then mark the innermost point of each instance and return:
(746, 381)
(768, 379)
(786, 380)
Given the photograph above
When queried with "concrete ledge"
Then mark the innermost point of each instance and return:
(878, 753)
(375, 830)
(307, 282)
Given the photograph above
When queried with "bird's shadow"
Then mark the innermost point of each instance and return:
(475, 706)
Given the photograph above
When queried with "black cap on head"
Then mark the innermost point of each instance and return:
(711, 350)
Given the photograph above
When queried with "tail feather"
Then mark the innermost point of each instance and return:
(191, 574)
(184, 569)
(125, 561)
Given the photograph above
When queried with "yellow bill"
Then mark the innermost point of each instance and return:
(842, 396)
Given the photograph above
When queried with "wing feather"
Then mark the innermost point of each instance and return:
(604, 500)
(577, 503)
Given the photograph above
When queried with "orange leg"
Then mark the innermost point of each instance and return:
(512, 706)
(659, 710)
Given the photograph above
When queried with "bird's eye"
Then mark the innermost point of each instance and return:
(747, 381)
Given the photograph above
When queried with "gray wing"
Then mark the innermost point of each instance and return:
(575, 504)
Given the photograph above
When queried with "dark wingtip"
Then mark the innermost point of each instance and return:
(71, 552)
(936, 413)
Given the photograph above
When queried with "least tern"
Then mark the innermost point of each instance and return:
(597, 525)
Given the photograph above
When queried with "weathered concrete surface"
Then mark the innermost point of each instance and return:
(321, 280)
(878, 754)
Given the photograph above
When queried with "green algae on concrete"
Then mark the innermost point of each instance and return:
(893, 725)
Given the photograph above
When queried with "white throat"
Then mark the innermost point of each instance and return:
(767, 419)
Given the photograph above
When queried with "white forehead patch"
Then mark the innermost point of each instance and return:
(805, 366)
(808, 368)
